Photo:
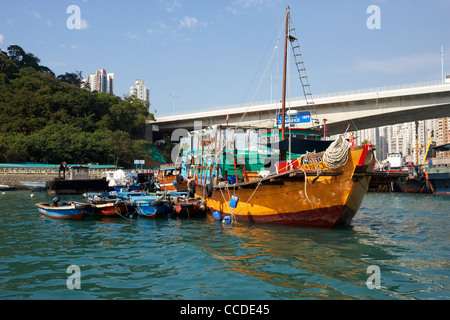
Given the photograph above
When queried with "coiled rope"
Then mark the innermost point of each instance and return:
(336, 154)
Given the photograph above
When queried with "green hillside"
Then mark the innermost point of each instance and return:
(49, 119)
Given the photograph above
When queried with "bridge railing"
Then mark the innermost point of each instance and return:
(314, 97)
(379, 89)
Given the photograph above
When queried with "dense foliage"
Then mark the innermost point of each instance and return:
(50, 119)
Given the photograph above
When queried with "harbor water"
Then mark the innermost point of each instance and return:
(397, 247)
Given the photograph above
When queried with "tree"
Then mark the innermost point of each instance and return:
(23, 60)
(74, 78)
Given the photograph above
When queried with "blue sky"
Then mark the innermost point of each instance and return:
(210, 54)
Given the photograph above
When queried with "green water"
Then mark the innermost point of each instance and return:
(406, 236)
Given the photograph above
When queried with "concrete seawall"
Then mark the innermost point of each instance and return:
(14, 179)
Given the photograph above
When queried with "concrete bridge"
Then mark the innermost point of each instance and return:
(363, 109)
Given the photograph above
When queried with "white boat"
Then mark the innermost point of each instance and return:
(4, 187)
(35, 186)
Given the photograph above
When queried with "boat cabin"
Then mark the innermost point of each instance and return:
(237, 154)
(78, 172)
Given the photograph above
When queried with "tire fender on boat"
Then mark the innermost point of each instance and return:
(191, 188)
(209, 190)
(179, 179)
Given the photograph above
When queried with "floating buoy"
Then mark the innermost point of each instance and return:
(32, 195)
(216, 215)
(226, 220)
(234, 201)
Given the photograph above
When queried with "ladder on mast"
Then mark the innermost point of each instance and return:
(301, 68)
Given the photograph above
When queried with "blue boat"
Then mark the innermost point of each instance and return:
(67, 210)
(145, 204)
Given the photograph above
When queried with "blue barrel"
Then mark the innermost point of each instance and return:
(231, 179)
(216, 215)
(234, 201)
(226, 220)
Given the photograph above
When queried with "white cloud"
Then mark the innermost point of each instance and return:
(1, 38)
(159, 27)
(188, 22)
(239, 5)
(171, 6)
(250, 3)
(132, 35)
(84, 25)
(36, 14)
(191, 22)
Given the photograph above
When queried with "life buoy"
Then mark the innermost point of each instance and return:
(209, 190)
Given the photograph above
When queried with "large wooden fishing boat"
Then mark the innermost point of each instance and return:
(311, 194)
(289, 176)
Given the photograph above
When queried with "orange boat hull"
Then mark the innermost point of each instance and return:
(299, 200)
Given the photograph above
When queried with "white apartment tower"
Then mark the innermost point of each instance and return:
(140, 91)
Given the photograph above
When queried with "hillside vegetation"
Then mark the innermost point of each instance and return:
(50, 119)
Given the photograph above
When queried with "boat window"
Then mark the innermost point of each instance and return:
(300, 136)
(311, 137)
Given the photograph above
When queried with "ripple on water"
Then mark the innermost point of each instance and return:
(406, 236)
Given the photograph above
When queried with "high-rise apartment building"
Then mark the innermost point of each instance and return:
(101, 81)
(442, 135)
(407, 138)
(140, 91)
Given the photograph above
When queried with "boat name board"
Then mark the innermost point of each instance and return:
(313, 163)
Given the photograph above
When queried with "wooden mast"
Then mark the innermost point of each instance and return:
(283, 102)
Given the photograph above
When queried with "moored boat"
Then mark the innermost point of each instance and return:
(65, 211)
(170, 179)
(439, 178)
(184, 206)
(438, 171)
(4, 187)
(300, 197)
(146, 205)
(78, 182)
(385, 181)
(286, 179)
(35, 186)
(107, 204)
(413, 184)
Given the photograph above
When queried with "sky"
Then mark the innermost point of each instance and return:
(205, 54)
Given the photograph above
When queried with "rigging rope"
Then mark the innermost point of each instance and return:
(336, 154)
